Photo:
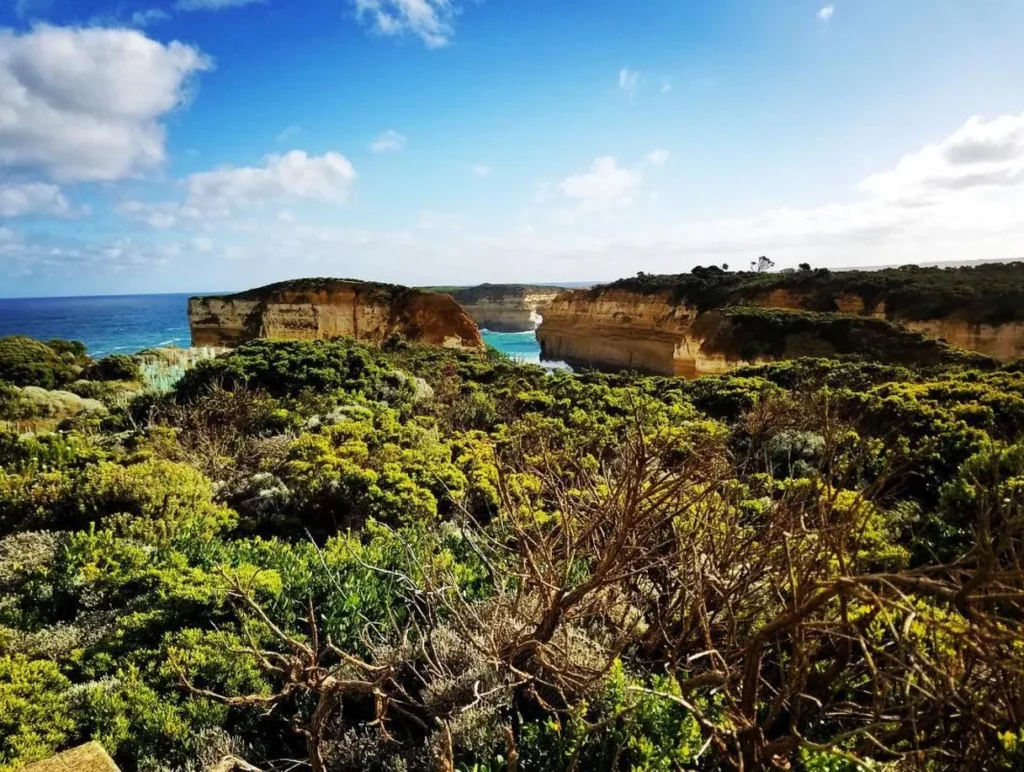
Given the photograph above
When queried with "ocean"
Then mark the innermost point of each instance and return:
(126, 324)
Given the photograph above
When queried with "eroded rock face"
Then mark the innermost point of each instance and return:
(313, 309)
(1004, 342)
(650, 332)
(506, 307)
(620, 329)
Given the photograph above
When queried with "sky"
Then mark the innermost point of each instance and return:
(214, 145)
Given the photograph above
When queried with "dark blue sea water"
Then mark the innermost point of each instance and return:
(125, 324)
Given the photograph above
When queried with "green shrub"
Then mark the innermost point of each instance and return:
(28, 362)
(113, 368)
(35, 716)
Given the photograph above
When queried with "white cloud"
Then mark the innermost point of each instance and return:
(481, 170)
(666, 85)
(826, 13)
(212, 5)
(214, 197)
(429, 20)
(658, 157)
(388, 142)
(295, 174)
(604, 186)
(34, 198)
(629, 80)
(86, 104)
(980, 154)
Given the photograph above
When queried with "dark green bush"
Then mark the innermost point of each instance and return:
(28, 362)
(113, 368)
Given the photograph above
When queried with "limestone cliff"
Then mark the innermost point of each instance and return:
(506, 307)
(653, 332)
(311, 309)
(618, 329)
(1003, 341)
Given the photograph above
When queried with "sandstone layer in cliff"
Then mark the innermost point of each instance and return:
(505, 307)
(313, 309)
(653, 332)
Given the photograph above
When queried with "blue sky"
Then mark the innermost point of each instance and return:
(190, 145)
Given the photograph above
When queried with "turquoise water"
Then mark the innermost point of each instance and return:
(521, 346)
(126, 324)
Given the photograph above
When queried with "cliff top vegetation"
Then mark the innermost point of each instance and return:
(482, 292)
(382, 290)
(984, 294)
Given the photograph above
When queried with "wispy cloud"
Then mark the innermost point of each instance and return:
(288, 133)
(826, 13)
(658, 157)
(629, 80)
(388, 142)
(429, 20)
(481, 170)
(212, 5)
(28, 9)
(149, 16)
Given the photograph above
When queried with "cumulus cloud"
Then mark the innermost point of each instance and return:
(295, 174)
(604, 186)
(388, 142)
(429, 20)
(982, 153)
(658, 157)
(213, 197)
(35, 198)
(826, 13)
(86, 104)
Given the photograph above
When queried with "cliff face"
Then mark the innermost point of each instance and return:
(620, 329)
(506, 307)
(1004, 341)
(652, 332)
(312, 309)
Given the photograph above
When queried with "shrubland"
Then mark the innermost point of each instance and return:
(46, 385)
(321, 554)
